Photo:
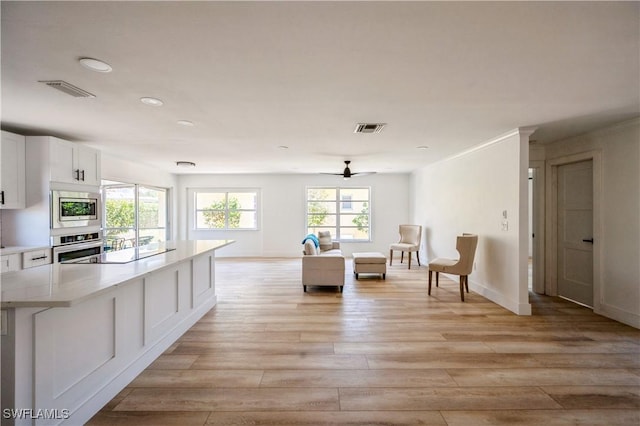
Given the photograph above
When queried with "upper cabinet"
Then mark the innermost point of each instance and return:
(73, 163)
(12, 173)
(66, 162)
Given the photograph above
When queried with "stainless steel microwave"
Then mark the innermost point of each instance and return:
(72, 209)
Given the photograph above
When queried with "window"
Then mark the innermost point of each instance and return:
(343, 211)
(134, 215)
(226, 210)
(346, 202)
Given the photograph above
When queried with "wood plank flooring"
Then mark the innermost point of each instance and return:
(383, 353)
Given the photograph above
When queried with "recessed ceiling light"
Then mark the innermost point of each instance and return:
(95, 65)
(185, 164)
(422, 147)
(185, 123)
(152, 101)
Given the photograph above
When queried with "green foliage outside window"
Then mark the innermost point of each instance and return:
(215, 214)
(121, 214)
(362, 220)
(345, 211)
(317, 210)
(148, 215)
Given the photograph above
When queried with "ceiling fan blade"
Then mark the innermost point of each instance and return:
(347, 173)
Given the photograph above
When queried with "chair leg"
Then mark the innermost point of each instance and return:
(418, 257)
(466, 283)
(462, 287)
(305, 288)
(390, 257)
(437, 279)
(409, 256)
(429, 292)
(401, 257)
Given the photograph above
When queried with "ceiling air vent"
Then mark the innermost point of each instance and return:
(369, 127)
(69, 89)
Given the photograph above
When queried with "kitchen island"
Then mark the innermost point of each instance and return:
(74, 335)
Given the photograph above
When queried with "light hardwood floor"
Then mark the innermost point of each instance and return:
(383, 353)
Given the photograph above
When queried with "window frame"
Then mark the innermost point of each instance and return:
(339, 201)
(136, 212)
(226, 192)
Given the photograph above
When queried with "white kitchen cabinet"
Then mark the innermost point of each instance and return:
(10, 262)
(36, 258)
(73, 163)
(50, 164)
(12, 173)
(16, 258)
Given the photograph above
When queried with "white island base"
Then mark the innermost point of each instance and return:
(67, 353)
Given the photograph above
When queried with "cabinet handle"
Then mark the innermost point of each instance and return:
(588, 240)
(82, 175)
(39, 258)
(77, 172)
(1, 197)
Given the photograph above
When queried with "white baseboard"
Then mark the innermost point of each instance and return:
(618, 314)
(496, 297)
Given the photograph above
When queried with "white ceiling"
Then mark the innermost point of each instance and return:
(254, 76)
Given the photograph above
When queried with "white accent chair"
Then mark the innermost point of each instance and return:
(466, 246)
(410, 237)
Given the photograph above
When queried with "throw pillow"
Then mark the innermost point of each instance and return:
(325, 240)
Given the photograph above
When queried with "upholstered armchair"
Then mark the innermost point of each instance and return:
(410, 236)
(466, 246)
(322, 265)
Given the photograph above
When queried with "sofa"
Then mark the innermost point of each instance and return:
(322, 265)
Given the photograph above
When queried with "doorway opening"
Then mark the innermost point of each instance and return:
(536, 226)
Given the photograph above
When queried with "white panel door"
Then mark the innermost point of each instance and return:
(575, 232)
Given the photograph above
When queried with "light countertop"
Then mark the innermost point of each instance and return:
(61, 285)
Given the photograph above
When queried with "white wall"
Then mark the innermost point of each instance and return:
(283, 206)
(619, 145)
(468, 193)
(126, 171)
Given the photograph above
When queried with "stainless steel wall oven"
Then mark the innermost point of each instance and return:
(76, 246)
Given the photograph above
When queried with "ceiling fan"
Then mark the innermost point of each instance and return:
(347, 174)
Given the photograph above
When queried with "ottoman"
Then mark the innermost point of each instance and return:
(370, 263)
